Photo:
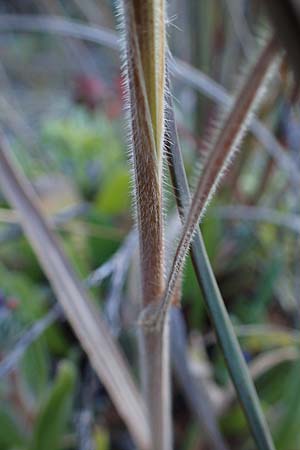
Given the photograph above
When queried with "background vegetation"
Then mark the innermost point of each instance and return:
(61, 112)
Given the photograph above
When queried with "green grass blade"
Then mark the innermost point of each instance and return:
(195, 391)
(287, 432)
(54, 414)
(214, 302)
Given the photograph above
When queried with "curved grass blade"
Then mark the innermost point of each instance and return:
(224, 148)
(213, 299)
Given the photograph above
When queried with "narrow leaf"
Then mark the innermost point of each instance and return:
(195, 391)
(213, 299)
(10, 434)
(54, 413)
(224, 148)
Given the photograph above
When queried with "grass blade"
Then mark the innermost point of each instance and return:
(224, 148)
(214, 302)
(194, 391)
(55, 411)
(91, 331)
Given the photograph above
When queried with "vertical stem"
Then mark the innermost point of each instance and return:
(144, 29)
(156, 370)
(146, 140)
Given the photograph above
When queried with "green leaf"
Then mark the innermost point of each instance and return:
(35, 367)
(101, 437)
(115, 193)
(30, 297)
(190, 293)
(78, 145)
(55, 411)
(287, 433)
(255, 309)
(10, 434)
(234, 421)
(56, 340)
(211, 231)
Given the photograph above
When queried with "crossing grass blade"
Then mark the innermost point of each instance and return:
(213, 299)
(224, 147)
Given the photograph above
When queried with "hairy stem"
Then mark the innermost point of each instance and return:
(146, 141)
(144, 56)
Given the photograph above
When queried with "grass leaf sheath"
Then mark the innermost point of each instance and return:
(143, 23)
(144, 68)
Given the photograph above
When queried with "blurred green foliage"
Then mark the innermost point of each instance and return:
(54, 413)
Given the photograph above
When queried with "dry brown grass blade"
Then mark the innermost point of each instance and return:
(226, 144)
(103, 352)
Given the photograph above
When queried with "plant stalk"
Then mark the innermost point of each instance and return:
(144, 58)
